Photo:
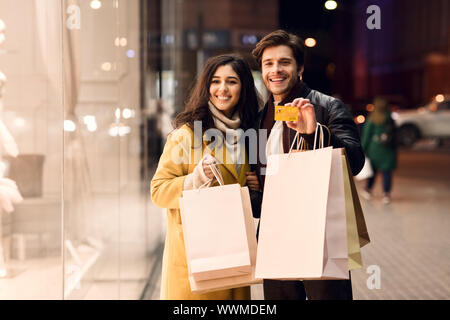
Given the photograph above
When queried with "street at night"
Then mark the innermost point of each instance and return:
(410, 235)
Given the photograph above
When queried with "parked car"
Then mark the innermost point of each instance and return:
(429, 121)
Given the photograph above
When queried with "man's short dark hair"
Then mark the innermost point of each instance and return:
(278, 38)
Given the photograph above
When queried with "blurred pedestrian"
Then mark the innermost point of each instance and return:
(379, 143)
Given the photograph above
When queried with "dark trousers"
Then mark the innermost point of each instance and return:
(387, 180)
(313, 289)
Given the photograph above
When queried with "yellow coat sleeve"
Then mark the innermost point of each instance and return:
(167, 183)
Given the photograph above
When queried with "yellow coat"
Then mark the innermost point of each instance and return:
(166, 188)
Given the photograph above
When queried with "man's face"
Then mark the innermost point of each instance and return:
(279, 70)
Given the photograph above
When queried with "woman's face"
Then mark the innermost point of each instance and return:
(225, 89)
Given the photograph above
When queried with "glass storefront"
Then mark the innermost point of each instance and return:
(71, 141)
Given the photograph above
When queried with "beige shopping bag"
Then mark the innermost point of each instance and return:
(303, 226)
(360, 221)
(357, 235)
(240, 280)
(219, 236)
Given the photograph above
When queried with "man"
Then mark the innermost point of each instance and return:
(281, 57)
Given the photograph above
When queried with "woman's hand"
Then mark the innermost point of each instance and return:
(207, 161)
(252, 181)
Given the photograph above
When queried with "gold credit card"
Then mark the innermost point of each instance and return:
(286, 113)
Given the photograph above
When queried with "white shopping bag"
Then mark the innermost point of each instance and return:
(366, 172)
(219, 236)
(303, 221)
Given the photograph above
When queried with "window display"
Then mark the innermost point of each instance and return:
(9, 192)
(74, 218)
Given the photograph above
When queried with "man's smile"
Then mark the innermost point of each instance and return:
(277, 79)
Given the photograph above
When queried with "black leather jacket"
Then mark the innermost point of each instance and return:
(330, 112)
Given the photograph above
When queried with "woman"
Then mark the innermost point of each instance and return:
(223, 99)
(379, 143)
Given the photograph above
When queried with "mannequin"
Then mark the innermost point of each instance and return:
(9, 193)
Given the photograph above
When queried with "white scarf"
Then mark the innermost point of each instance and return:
(231, 135)
(275, 141)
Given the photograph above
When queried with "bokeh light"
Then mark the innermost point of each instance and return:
(439, 98)
(331, 5)
(310, 42)
(96, 4)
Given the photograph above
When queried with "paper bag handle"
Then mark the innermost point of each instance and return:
(216, 172)
(301, 141)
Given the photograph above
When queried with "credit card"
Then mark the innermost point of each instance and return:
(286, 113)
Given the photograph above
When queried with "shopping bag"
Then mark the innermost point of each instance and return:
(240, 280)
(354, 205)
(303, 225)
(354, 253)
(366, 172)
(219, 236)
(357, 235)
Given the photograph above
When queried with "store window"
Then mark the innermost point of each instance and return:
(75, 217)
